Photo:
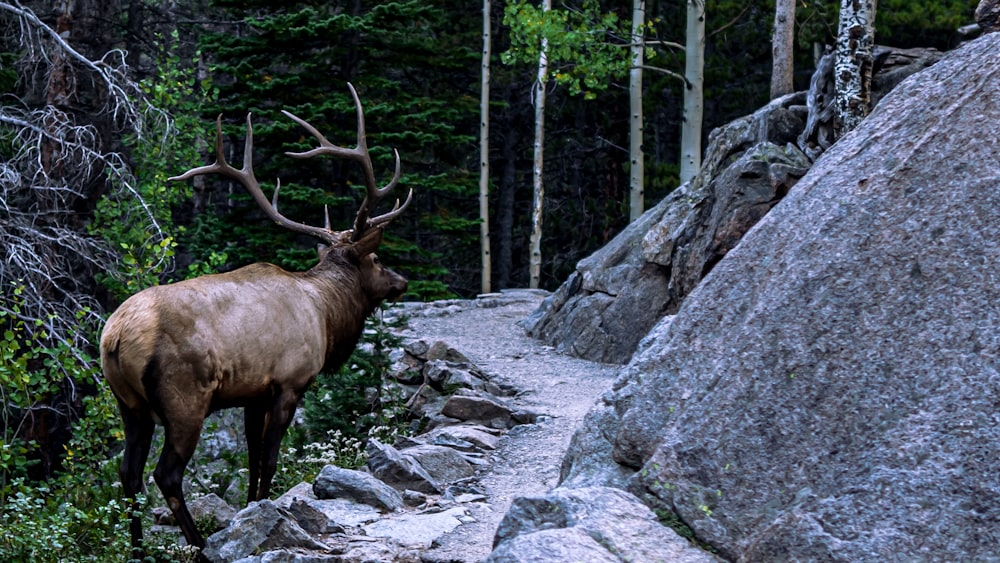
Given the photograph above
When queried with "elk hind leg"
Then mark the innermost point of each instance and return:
(139, 428)
(181, 438)
(254, 416)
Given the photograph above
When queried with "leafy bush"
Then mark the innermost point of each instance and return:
(77, 515)
(169, 146)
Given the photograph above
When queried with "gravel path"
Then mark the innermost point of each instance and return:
(560, 387)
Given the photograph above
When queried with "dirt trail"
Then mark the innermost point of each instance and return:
(560, 387)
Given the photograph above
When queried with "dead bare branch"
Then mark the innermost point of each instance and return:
(59, 165)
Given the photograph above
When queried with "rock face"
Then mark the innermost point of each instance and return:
(588, 524)
(830, 390)
(617, 294)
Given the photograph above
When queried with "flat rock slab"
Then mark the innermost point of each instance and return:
(418, 530)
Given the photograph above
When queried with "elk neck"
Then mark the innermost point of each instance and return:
(338, 288)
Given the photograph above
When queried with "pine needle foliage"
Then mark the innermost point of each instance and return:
(415, 71)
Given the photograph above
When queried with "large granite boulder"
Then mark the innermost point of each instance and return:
(831, 390)
(616, 295)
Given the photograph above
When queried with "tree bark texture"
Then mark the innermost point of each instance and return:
(783, 49)
(853, 66)
(535, 249)
(484, 155)
(506, 199)
(636, 170)
(694, 77)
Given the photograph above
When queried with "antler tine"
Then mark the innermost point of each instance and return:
(373, 194)
(246, 178)
(385, 218)
(220, 165)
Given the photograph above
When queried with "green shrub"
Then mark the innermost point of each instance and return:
(75, 515)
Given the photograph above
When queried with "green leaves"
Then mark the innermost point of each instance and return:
(587, 49)
(140, 223)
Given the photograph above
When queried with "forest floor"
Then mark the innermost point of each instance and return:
(558, 387)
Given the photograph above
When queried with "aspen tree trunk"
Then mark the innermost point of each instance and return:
(636, 170)
(783, 49)
(694, 77)
(852, 69)
(535, 250)
(484, 154)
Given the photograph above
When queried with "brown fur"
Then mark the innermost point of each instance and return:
(253, 338)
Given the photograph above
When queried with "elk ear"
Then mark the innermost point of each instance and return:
(369, 242)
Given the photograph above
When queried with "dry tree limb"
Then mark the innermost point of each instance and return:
(59, 166)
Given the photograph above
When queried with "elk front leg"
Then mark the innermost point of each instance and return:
(279, 418)
(253, 425)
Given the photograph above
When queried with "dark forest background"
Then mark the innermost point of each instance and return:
(416, 66)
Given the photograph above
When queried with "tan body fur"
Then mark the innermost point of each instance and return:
(235, 334)
(253, 338)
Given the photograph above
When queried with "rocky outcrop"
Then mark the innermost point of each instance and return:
(588, 524)
(829, 392)
(616, 295)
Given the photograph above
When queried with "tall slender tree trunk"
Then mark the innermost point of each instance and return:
(636, 170)
(60, 89)
(506, 201)
(484, 154)
(852, 69)
(783, 49)
(694, 77)
(535, 249)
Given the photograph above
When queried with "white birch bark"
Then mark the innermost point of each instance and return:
(694, 77)
(484, 155)
(636, 170)
(853, 67)
(535, 248)
(783, 49)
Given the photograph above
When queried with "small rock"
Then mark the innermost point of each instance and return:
(441, 351)
(335, 482)
(414, 498)
(312, 519)
(457, 436)
(417, 348)
(553, 527)
(401, 472)
(486, 410)
(559, 544)
(418, 530)
(444, 465)
(525, 416)
(345, 513)
(303, 491)
(259, 527)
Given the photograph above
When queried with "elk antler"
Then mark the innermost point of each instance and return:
(373, 194)
(246, 177)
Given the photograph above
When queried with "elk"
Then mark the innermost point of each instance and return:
(255, 337)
